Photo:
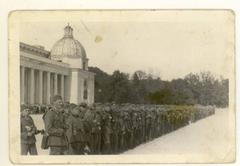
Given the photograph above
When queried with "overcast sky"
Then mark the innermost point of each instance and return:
(168, 44)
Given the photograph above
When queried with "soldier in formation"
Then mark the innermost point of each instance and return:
(111, 128)
(56, 127)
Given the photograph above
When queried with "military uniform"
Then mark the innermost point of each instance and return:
(116, 126)
(111, 128)
(88, 125)
(122, 133)
(148, 130)
(28, 140)
(77, 141)
(129, 131)
(107, 134)
(143, 122)
(96, 131)
(56, 127)
(134, 133)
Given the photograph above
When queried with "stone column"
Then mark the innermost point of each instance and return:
(32, 87)
(22, 85)
(91, 90)
(40, 87)
(55, 92)
(74, 88)
(48, 88)
(62, 86)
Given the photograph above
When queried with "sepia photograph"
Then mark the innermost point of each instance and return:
(122, 86)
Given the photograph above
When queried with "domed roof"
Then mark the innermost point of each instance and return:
(67, 47)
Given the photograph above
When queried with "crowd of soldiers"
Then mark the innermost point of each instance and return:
(112, 128)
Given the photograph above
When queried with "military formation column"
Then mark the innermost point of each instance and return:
(112, 128)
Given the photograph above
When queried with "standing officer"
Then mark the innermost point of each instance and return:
(148, 126)
(134, 138)
(107, 132)
(56, 127)
(122, 131)
(28, 131)
(143, 122)
(88, 125)
(127, 121)
(96, 131)
(76, 130)
(116, 131)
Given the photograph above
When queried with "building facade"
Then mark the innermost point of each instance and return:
(62, 71)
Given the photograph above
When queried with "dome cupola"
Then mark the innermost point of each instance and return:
(69, 50)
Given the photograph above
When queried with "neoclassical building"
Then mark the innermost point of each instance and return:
(63, 71)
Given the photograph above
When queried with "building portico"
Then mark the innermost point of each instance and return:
(41, 79)
(61, 71)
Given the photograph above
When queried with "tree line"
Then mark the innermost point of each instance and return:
(143, 88)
